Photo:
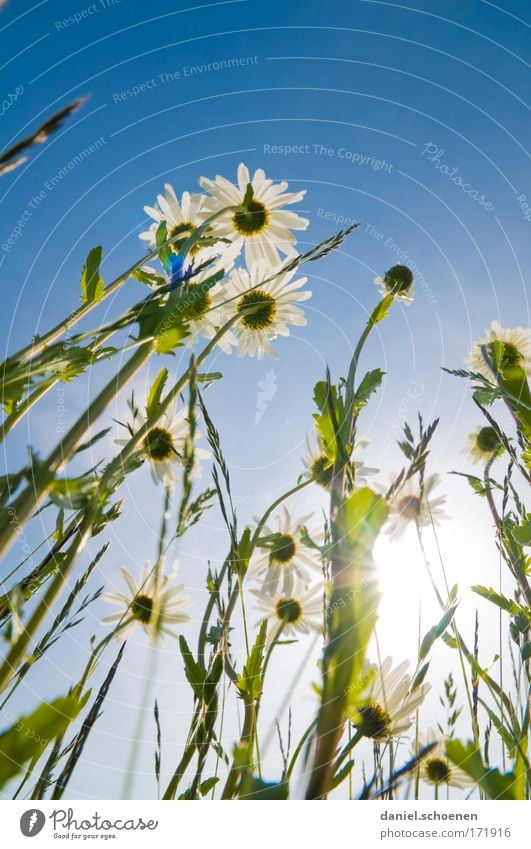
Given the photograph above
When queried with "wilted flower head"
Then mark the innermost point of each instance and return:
(516, 349)
(482, 445)
(398, 281)
(154, 603)
(385, 706)
(260, 223)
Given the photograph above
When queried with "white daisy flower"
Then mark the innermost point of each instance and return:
(282, 557)
(182, 218)
(516, 349)
(297, 611)
(154, 603)
(482, 445)
(398, 281)
(205, 314)
(275, 305)
(435, 768)
(319, 467)
(407, 506)
(164, 445)
(385, 706)
(263, 226)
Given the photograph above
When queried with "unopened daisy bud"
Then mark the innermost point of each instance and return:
(398, 281)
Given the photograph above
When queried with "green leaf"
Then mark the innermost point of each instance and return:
(526, 651)
(496, 598)
(354, 602)
(249, 195)
(435, 632)
(208, 376)
(93, 439)
(167, 340)
(512, 381)
(370, 383)
(28, 737)
(240, 564)
(257, 789)
(506, 733)
(450, 641)
(195, 674)
(249, 683)
(479, 485)
(494, 784)
(419, 677)
(359, 521)
(161, 237)
(381, 310)
(155, 393)
(92, 285)
(522, 533)
(330, 406)
(74, 493)
(148, 279)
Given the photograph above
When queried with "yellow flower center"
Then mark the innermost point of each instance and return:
(409, 507)
(199, 302)
(437, 771)
(142, 608)
(158, 445)
(263, 314)
(375, 722)
(185, 230)
(322, 471)
(288, 610)
(251, 219)
(283, 549)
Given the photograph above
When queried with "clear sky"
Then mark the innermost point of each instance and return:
(375, 108)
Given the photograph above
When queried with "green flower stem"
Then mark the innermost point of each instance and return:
(189, 751)
(515, 567)
(10, 421)
(442, 604)
(128, 450)
(23, 506)
(38, 345)
(85, 528)
(224, 569)
(465, 652)
(331, 717)
(18, 648)
(246, 742)
(346, 750)
(349, 387)
(299, 748)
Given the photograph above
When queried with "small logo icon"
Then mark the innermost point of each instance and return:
(32, 822)
(267, 391)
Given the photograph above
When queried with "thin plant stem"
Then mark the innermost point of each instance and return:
(139, 723)
(23, 506)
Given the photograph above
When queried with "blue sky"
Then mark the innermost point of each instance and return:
(385, 106)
